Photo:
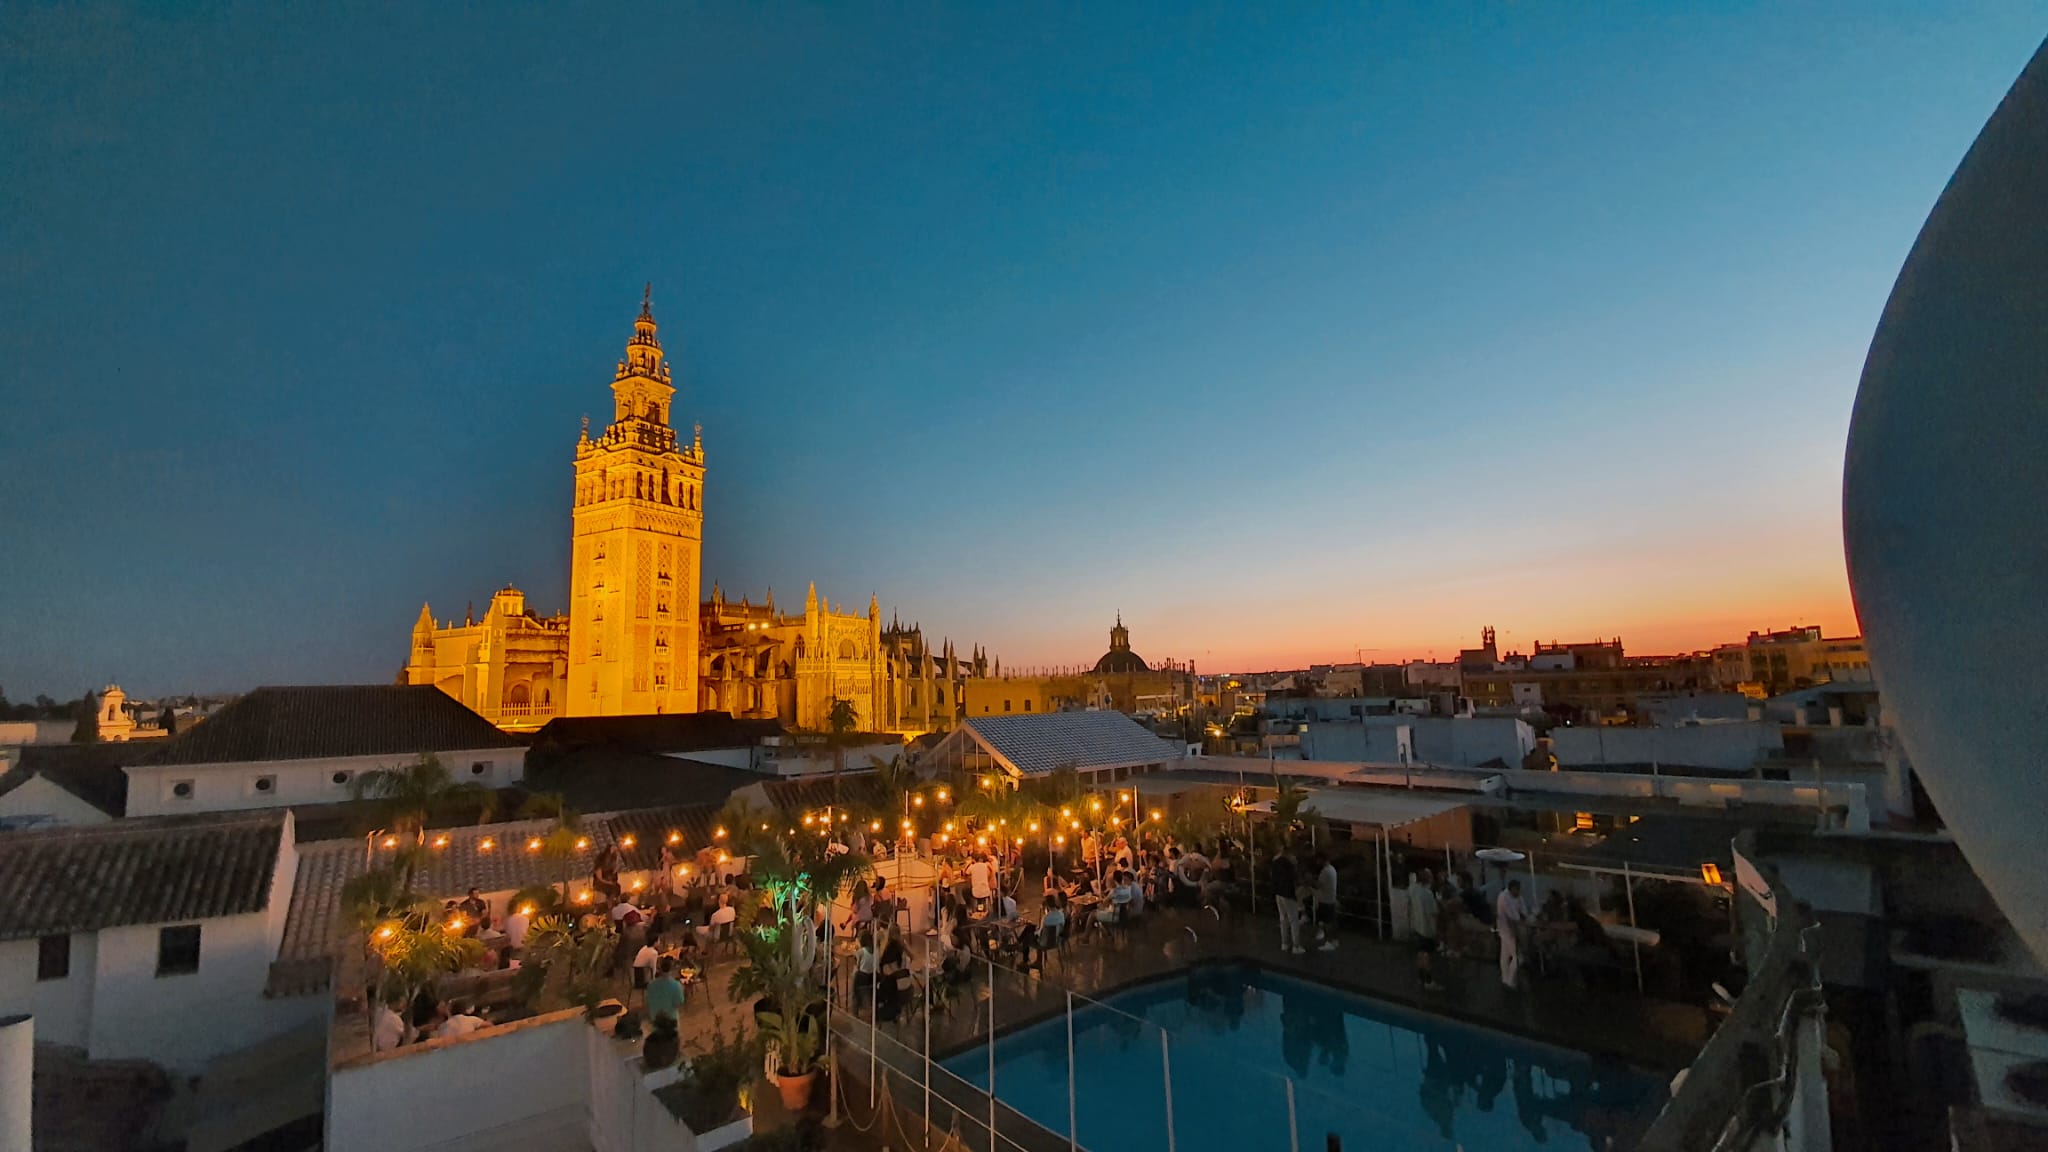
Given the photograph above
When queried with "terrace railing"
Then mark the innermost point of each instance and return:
(1744, 1083)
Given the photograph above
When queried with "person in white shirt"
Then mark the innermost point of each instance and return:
(461, 1022)
(1326, 905)
(387, 1029)
(724, 914)
(1119, 899)
(1006, 908)
(516, 923)
(1508, 916)
(1422, 908)
(643, 966)
(978, 880)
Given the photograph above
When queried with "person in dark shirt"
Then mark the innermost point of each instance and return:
(1281, 874)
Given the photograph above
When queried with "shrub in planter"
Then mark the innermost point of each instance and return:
(716, 1084)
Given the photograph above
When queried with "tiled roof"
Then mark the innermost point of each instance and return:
(312, 927)
(91, 772)
(333, 720)
(671, 732)
(854, 789)
(693, 824)
(604, 778)
(136, 872)
(1036, 744)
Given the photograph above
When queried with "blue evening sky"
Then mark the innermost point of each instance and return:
(1286, 334)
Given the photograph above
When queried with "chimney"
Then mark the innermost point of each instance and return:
(17, 1061)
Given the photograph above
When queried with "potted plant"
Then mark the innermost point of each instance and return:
(713, 1096)
(786, 964)
(571, 961)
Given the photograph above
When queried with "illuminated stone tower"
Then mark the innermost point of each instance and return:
(636, 548)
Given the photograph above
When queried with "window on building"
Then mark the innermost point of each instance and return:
(341, 779)
(480, 768)
(177, 950)
(181, 789)
(264, 785)
(53, 957)
(1027, 705)
(1006, 705)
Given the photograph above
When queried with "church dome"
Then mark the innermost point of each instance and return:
(1120, 660)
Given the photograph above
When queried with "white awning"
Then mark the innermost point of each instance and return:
(1379, 809)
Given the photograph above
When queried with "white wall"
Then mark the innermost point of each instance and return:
(524, 1087)
(226, 787)
(45, 803)
(37, 731)
(62, 1008)
(185, 1020)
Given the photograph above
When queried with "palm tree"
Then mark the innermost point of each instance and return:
(411, 956)
(406, 797)
(559, 843)
(798, 874)
(840, 719)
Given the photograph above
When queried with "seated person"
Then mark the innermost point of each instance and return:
(1005, 910)
(459, 1019)
(1119, 899)
(1053, 924)
(724, 917)
(387, 1027)
(893, 980)
(866, 966)
(664, 992)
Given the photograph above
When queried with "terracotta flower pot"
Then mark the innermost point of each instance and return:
(796, 1090)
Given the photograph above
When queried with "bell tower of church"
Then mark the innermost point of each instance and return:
(636, 547)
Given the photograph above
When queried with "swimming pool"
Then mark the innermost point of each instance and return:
(1380, 1077)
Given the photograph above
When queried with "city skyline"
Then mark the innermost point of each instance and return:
(1085, 358)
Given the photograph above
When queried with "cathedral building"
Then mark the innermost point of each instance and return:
(637, 639)
(1120, 680)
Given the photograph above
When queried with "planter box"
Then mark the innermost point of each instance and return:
(726, 1136)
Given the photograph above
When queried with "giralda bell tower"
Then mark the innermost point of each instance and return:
(638, 542)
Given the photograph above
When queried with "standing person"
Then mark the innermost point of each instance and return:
(604, 873)
(1507, 922)
(1280, 874)
(1422, 913)
(517, 920)
(1326, 904)
(979, 877)
(667, 880)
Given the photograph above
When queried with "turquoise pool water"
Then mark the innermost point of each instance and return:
(1378, 1077)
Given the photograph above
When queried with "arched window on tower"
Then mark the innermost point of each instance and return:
(846, 649)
